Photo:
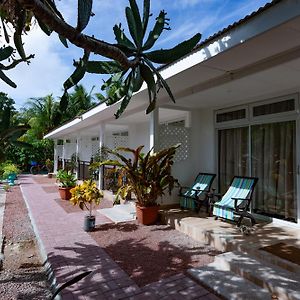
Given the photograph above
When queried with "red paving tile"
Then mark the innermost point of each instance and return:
(69, 250)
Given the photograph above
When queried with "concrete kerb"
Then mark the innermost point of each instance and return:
(48, 269)
(2, 208)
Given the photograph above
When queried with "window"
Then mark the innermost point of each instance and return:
(231, 115)
(274, 108)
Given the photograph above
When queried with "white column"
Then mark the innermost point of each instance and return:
(154, 129)
(55, 165)
(63, 153)
(101, 144)
(78, 141)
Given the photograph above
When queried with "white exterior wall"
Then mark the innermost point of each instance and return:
(139, 135)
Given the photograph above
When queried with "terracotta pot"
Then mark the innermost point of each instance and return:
(65, 193)
(147, 215)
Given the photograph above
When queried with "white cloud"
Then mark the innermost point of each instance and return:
(44, 75)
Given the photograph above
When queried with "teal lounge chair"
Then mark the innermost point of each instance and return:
(195, 196)
(236, 201)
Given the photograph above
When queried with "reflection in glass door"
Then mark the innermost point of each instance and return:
(233, 155)
(273, 161)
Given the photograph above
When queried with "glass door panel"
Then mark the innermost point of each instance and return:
(273, 161)
(233, 155)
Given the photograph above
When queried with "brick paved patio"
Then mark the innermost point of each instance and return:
(69, 250)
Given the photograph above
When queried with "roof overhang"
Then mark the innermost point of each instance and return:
(257, 56)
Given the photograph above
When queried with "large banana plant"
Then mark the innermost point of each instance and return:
(147, 176)
(124, 82)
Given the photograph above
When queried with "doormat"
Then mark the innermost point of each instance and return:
(284, 251)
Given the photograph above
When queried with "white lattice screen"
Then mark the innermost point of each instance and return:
(170, 135)
(95, 146)
(120, 141)
(59, 150)
(70, 148)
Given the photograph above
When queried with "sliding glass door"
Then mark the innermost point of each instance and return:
(233, 155)
(266, 151)
(273, 161)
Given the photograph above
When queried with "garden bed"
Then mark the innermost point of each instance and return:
(150, 253)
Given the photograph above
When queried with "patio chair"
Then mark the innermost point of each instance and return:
(236, 201)
(195, 196)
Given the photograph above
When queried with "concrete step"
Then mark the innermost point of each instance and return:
(275, 260)
(120, 213)
(227, 284)
(280, 282)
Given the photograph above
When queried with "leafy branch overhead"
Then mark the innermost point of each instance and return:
(132, 60)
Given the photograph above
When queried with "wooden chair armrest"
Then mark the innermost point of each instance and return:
(236, 200)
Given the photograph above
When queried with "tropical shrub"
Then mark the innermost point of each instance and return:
(85, 195)
(9, 168)
(66, 178)
(147, 176)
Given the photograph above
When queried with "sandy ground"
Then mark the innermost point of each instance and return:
(150, 253)
(23, 275)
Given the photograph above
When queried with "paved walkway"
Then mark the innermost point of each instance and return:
(69, 250)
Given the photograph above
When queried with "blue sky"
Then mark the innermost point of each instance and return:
(53, 63)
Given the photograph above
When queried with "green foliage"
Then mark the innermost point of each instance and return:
(8, 168)
(66, 178)
(124, 82)
(86, 194)
(148, 176)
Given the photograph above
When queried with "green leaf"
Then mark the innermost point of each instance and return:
(103, 67)
(138, 79)
(127, 98)
(84, 13)
(5, 31)
(122, 39)
(146, 15)
(64, 100)
(138, 22)
(70, 282)
(132, 26)
(170, 55)
(161, 80)
(6, 52)
(156, 32)
(79, 72)
(63, 40)
(151, 107)
(19, 45)
(44, 27)
(7, 80)
(147, 75)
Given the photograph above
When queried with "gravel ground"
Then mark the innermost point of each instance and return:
(150, 253)
(23, 275)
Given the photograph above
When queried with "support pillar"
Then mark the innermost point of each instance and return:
(63, 153)
(55, 157)
(154, 129)
(78, 141)
(101, 144)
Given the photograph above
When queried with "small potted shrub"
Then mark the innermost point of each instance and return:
(10, 172)
(87, 195)
(147, 177)
(49, 164)
(67, 181)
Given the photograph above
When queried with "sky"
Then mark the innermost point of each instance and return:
(52, 64)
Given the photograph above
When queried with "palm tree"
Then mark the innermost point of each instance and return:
(41, 114)
(9, 133)
(79, 101)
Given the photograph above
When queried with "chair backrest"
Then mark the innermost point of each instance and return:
(202, 183)
(240, 187)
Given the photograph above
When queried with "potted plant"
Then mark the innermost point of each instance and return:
(86, 195)
(147, 177)
(67, 181)
(10, 172)
(49, 165)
